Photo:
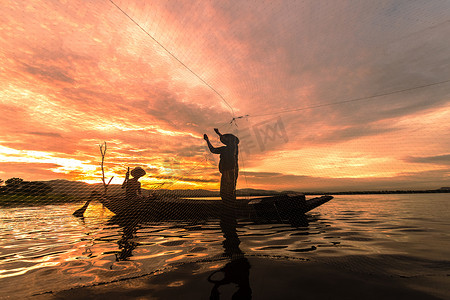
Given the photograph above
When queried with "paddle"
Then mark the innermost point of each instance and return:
(80, 212)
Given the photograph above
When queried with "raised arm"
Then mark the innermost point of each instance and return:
(217, 131)
(210, 146)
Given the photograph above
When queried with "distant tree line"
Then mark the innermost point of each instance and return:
(17, 186)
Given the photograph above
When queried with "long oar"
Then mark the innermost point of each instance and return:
(80, 212)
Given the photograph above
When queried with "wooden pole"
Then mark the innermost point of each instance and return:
(103, 149)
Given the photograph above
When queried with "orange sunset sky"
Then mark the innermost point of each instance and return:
(75, 74)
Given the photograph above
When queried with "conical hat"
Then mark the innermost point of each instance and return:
(229, 139)
(137, 172)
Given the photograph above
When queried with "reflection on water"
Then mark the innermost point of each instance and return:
(126, 243)
(49, 250)
(237, 270)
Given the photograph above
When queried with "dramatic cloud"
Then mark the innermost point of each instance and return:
(438, 159)
(325, 95)
(278, 181)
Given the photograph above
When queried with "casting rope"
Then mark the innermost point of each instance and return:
(343, 101)
(176, 58)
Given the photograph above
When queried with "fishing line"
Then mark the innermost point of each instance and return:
(345, 101)
(176, 58)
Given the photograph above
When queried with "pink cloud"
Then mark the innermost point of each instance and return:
(76, 74)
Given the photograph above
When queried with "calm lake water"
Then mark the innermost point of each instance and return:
(45, 248)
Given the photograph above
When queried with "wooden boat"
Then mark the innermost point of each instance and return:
(159, 208)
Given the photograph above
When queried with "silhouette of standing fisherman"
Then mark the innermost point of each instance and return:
(228, 165)
(133, 186)
(238, 269)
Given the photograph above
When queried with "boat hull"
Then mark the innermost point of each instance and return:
(283, 207)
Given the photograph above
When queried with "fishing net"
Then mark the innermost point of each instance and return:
(324, 97)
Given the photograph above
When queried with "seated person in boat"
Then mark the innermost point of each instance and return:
(133, 186)
(228, 164)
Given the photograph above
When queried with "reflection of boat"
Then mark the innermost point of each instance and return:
(282, 207)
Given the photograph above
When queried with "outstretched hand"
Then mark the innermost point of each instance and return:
(217, 131)
(205, 136)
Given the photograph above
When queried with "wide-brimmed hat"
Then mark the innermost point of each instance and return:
(137, 172)
(229, 139)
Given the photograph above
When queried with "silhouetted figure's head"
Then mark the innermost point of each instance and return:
(137, 172)
(229, 139)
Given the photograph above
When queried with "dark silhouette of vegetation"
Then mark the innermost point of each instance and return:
(15, 181)
(34, 188)
(17, 186)
(16, 191)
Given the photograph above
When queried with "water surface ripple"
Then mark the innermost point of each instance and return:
(46, 249)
